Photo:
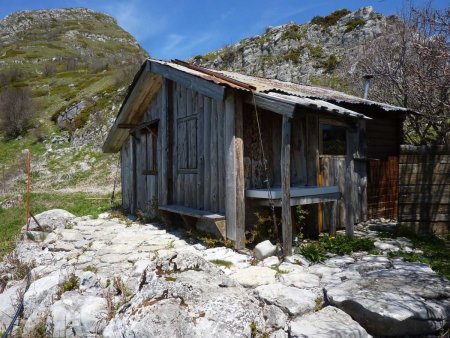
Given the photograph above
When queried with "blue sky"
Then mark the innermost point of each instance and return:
(180, 29)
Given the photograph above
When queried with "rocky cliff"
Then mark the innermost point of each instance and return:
(301, 52)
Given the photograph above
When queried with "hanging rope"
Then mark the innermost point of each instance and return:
(266, 172)
(115, 182)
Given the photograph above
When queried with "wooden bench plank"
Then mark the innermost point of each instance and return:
(182, 210)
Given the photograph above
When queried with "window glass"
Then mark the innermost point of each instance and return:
(334, 140)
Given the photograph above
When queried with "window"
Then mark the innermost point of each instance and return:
(151, 149)
(334, 139)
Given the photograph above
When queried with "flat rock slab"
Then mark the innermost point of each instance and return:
(395, 302)
(254, 276)
(289, 299)
(326, 323)
(300, 279)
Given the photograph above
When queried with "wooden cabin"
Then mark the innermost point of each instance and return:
(211, 147)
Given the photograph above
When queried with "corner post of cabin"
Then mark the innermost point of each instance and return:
(286, 185)
(234, 171)
(240, 179)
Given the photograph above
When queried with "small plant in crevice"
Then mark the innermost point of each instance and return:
(278, 270)
(72, 283)
(91, 268)
(314, 252)
(221, 262)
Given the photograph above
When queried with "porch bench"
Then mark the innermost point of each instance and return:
(203, 220)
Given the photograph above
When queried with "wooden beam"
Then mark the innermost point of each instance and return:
(240, 179)
(230, 172)
(143, 92)
(286, 185)
(271, 103)
(208, 88)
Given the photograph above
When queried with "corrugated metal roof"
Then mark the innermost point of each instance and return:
(305, 90)
(318, 105)
(264, 85)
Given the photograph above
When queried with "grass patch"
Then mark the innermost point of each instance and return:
(343, 245)
(170, 279)
(13, 219)
(222, 262)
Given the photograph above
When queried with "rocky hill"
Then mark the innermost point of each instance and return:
(70, 67)
(301, 52)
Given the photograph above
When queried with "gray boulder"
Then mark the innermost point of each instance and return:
(407, 300)
(289, 299)
(50, 220)
(328, 322)
(264, 249)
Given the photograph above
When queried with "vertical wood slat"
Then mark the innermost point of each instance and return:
(207, 153)
(213, 158)
(240, 178)
(286, 186)
(201, 154)
(230, 172)
(221, 159)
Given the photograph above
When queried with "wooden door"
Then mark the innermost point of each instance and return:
(382, 188)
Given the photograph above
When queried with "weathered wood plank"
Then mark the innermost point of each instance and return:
(199, 110)
(207, 153)
(240, 179)
(285, 185)
(272, 104)
(230, 171)
(213, 159)
(221, 156)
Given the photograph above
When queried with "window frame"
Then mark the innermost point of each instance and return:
(151, 130)
(335, 123)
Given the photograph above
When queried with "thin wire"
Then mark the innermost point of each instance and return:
(266, 172)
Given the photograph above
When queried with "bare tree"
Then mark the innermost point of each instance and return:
(16, 112)
(410, 65)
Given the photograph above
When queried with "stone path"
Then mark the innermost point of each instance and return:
(133, 280)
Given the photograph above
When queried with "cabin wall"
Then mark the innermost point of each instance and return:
(198, 150)
(139, 186)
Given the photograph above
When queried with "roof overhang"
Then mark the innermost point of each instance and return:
(289, 105)
(143, 89)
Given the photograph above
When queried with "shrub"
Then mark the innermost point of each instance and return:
(16, 112)
(330, 20)
(49, 69)
(71, 284)
(353, 24)
(292, 32)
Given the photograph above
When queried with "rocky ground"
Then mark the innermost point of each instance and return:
(117, 278)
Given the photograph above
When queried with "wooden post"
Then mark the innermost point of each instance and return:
(334, 218)
(286, 185)
(230, 172)
(240, 179)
